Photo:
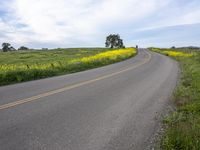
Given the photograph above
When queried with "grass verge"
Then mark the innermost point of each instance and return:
(24, 66)
(183, 125)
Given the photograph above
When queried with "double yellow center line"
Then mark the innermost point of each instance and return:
(38, 97)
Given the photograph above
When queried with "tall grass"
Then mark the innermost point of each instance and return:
(19, 72)
(183, 126)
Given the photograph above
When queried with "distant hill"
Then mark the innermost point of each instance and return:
(189, 47)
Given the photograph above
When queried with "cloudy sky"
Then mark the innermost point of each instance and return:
(80, 23)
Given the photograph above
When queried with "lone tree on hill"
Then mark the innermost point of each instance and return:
(114, 41)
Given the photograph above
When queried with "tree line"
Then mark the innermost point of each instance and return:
(112, 41)
(7, 47)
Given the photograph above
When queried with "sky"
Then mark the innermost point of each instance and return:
(86, 23)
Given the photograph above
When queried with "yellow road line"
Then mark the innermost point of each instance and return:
(37, 97)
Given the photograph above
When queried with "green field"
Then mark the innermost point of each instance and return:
(46, 56)
(19, 66)
(183, 125)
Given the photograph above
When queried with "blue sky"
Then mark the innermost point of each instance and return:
(86, 23)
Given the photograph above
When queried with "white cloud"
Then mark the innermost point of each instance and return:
(176, 13)
(85, 22)
(191, 17)
(67, 20)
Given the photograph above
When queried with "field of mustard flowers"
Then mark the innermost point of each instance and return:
(183, 125)
(23, 66)
(173, 53)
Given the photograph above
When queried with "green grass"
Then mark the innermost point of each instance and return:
(183, 125)
(45, 56)
(20, 66)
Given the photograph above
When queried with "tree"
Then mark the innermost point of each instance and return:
(12, 49)
(114, 41)
(121, 43)
(6, 47)
(173, 47)
(23, 48)
(44, 49)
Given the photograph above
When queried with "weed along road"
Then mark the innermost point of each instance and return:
(116, 107)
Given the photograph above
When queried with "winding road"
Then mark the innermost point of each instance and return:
(116, 107)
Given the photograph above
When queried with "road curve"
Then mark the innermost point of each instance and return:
(116, 107)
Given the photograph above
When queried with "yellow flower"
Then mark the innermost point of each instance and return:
(109, 55)
(101, 57)
(178, 54)
(173, 53)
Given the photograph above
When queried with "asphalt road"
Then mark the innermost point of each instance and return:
(116, 107)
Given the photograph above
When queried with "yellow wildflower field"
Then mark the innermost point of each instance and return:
(11, 73)
(109, 55)
(178, 54)
(104, 56)
(173, 53)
